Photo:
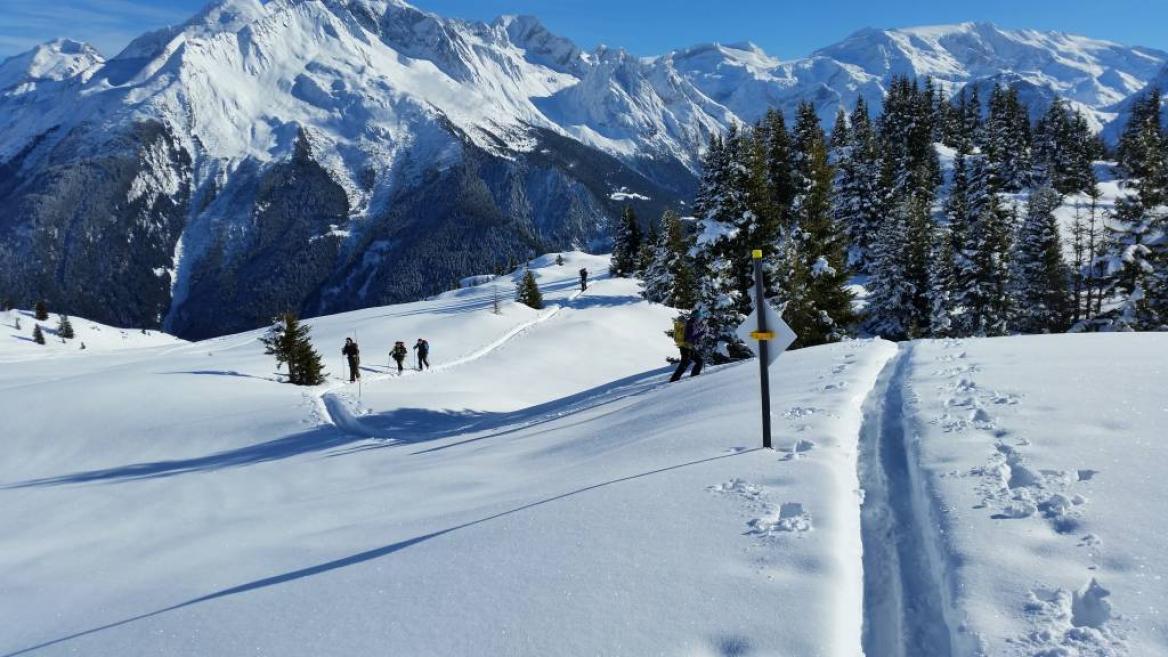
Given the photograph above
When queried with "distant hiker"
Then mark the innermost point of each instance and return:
(688, 335)
(423, 351)
(353, 354)
(399, 354)
(583, 279)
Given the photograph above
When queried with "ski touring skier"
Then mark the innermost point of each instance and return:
(583, 279)
(399, 354)
(688, 335)
(422, 349)
(352, 354)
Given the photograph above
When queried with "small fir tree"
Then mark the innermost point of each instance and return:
(289, 341)
(41, 311)
(38, 336)
(528, 292)
(64, 327)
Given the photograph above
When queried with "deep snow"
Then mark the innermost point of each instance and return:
(542, 490)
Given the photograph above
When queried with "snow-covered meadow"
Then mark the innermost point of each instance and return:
(543, 491)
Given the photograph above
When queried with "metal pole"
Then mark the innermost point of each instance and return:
(763, 348)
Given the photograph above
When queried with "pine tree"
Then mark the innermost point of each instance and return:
(1143, 150)
(942, 286)
(721, 207)
(1040, 279)
(1007, 141)
(899, 307)
(289, 341)
(968, 197)
(1063, 150)
(669, 278)
(984, 274)
(857, 205)
(528, 292)
(1135, 266)
(38, 336)
(41, 311)
(626, 248)
(818, 305)
(64, 327)
(559, 260)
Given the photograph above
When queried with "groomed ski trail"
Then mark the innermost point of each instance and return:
(338, 408)
(905, 591)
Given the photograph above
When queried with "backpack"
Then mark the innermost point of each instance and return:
(679, 332)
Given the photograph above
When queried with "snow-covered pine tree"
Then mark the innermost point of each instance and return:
(984, 272)
(289, 341)
(527, 293)
(942, 285)
(721, 250)
(669, 278)
(968, 196)
(1138, 231)
(626, 246)
(64, 327)
(857, 205)
(38, 336)
(1007, 141)
(779, 167)
(1143, 150)
(41, 311)
(1063, 149)
(1040, 278)
(818, 305)
(899, 303)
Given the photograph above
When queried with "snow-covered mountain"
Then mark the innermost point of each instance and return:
(1094, 75)
(325, 155)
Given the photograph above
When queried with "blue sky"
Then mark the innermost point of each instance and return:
(782, 27)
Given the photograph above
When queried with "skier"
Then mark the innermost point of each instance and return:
(583, 279)
(399, 354)
(689, 334)
(423, 349)
(353, 354)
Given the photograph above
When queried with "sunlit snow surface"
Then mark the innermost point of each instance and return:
(543, 491)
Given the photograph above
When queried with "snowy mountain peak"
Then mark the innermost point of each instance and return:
(55, 61)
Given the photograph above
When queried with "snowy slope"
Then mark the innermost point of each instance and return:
(17, 344)
(542, 490)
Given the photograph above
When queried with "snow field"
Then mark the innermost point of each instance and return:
(542, 490)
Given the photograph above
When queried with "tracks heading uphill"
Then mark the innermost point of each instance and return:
(338, 408)
(904, 600)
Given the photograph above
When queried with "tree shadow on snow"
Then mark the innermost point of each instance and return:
(729, 647)
(315, 440)
(409, 425)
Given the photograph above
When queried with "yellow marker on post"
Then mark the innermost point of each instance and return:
(756, 254)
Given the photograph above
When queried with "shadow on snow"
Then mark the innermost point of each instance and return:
(369, 555)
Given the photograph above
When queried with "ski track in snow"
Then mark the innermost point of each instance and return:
(337, 407)
(904, 603)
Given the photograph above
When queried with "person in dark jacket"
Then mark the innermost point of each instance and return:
(423, 351)
(399, 354)
(689, 335)
(583, 279)
(352, 354)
